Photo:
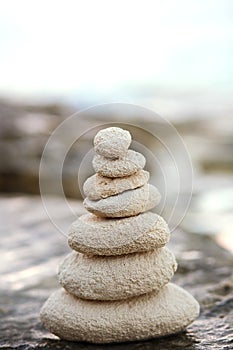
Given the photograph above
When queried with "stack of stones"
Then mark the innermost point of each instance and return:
(117, 280)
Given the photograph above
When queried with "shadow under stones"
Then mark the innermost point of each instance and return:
(182, 340)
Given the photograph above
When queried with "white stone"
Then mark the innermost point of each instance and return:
(112, 142)
(148, 316)
(125, 204)
(94, 235)
(97, 186)
(116, 277)
(128, 165)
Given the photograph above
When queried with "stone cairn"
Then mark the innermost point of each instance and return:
(116, 282)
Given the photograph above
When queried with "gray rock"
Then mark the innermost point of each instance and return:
(31, 248)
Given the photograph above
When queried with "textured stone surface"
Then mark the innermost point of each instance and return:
(125, 204)
(97, 186)
(91, 234)
(117, 277)
(31, 248)
(112, 142)
(126, 166)
(169, 311)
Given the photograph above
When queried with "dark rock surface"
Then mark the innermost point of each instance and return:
(31, 249)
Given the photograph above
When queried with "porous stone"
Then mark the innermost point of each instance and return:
(125, 204)
(125, 166)
(205, 269)
(112, 142)
(147, 316)
(97, 186)
(94, 235)
(116, 277)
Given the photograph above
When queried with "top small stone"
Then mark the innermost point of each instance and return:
(112, 142)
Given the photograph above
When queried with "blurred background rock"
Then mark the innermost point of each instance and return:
(175, 58)
(172, 57)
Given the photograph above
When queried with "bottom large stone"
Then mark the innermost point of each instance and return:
(147, 316)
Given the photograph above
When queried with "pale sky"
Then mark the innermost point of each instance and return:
(52, 47)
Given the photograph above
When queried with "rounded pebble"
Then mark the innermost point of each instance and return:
(126, 166)
(148, 316)
(128, 203)
(97, 186)
(94, 235)
(112, 142)
(116, 277)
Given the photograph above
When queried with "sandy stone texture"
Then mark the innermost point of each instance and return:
(125, 166)
(94, 235)
(150, 315)
(97, 187)
(125, 204)
(117, 277)
(112, 142)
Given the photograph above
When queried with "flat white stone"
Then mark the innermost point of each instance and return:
(148, 316)
(97, 186)
(112, 142)
(125, 204)
(94, 235)
(116, 277)
(125, 166)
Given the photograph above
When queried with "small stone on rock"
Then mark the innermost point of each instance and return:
(125, 204)
(116, 277)
(97, 186)
(94, 235)
(128, 165)
(112, 142)
(148, 316)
